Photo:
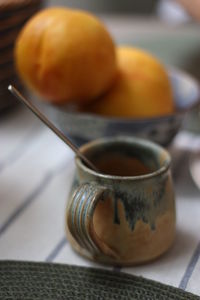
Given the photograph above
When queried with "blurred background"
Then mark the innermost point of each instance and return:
(163, 27)
(111, 6)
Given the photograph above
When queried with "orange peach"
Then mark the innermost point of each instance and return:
(66, 55)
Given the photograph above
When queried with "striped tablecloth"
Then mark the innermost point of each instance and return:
(36, 171)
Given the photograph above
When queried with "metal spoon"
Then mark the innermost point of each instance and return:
(39, 114)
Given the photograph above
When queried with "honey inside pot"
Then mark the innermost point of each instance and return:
(121, 165)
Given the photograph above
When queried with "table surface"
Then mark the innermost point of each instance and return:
(36, 171)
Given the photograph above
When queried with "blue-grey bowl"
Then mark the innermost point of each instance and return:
(82, 127)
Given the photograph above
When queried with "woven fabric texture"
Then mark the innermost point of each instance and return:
(30, 280)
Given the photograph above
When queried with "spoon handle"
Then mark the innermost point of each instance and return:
(42, 117)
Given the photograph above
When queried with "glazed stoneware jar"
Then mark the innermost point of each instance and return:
(125, 213)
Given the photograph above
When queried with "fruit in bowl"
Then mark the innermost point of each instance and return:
(68, 56)
(65, 56)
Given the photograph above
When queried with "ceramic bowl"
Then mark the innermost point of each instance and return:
(83, 127)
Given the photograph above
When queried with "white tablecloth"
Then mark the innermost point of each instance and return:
(36, 171)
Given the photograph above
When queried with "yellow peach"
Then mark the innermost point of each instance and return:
(142, 88)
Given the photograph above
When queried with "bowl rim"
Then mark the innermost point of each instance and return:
(112, 119)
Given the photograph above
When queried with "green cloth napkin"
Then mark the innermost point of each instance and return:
(30, 280)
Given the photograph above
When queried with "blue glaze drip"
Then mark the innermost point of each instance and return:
(140, 204)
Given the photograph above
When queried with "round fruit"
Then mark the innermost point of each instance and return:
(66, 55)
(142, 88)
